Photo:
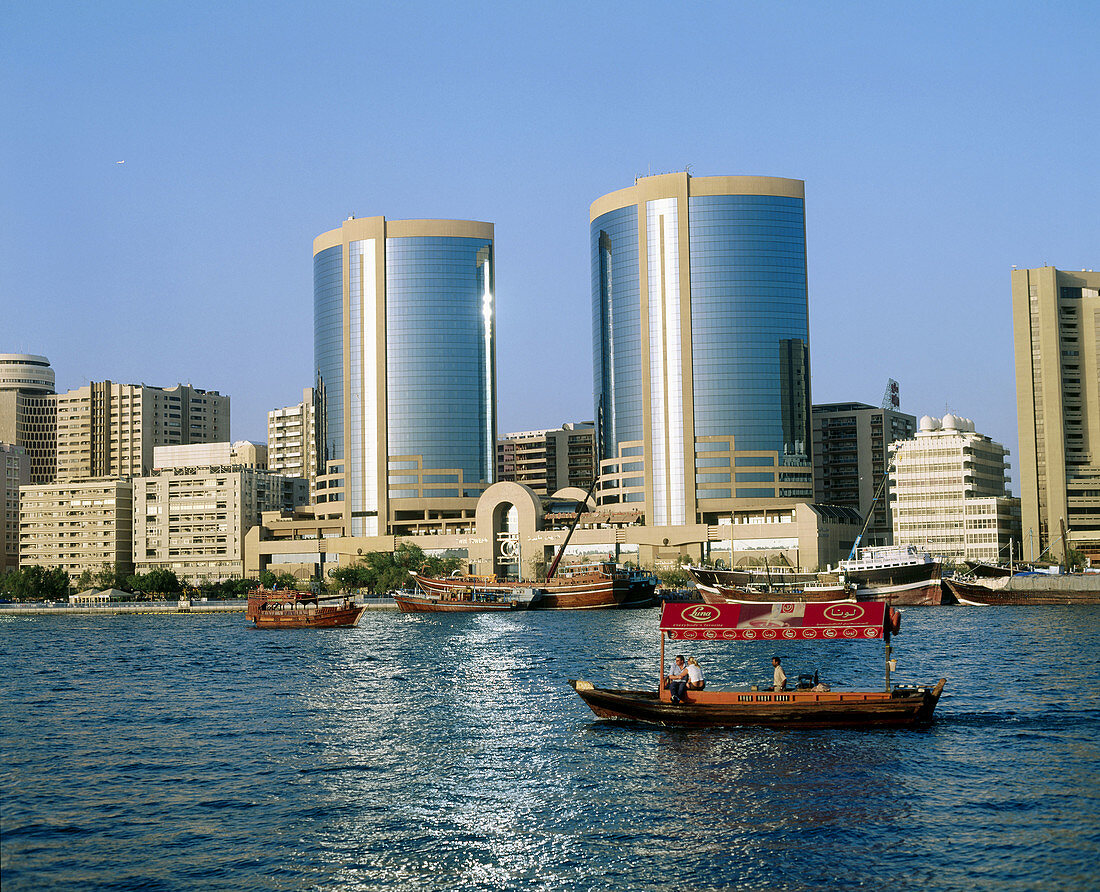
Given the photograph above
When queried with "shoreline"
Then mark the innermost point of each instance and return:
(150, 608)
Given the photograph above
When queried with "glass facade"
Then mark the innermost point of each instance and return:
(328, 347)
(748, 302)
(745, 265)
(439, 358)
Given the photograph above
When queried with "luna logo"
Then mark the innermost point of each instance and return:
(844, 613)
(700, 613)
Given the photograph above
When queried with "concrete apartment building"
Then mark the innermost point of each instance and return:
(851, 455)
(949, 486)
(15, 471)
(193, 511)
(105, 429)
(1056, 328)
(28, 411)
(292, 441)
(77, 525)
(549, 460)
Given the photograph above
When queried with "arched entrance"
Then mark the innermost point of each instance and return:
(508, 515)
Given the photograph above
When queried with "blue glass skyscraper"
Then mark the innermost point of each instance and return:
(701, 345)
(406, 389)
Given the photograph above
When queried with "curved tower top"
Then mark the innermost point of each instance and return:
(27, 372)
(701, 344)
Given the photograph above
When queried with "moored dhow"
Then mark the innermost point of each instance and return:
(289, 609)
(787, 621)
(1028, 589)
(893, 574)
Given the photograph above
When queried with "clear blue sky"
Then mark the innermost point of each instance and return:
(941, 143)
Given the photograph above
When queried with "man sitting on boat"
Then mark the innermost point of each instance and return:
(779, 678)
(677, 681)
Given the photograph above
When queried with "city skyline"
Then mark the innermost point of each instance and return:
(927, 177)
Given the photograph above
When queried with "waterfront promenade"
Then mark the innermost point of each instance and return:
(146, 608)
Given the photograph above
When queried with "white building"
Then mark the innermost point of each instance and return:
(192, 519)
(950, 495)
(292, 441)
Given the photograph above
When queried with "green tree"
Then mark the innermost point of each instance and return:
(36, 583)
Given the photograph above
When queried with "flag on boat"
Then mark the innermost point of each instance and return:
(780, 621)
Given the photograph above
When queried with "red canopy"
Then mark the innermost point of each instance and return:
(783, 621)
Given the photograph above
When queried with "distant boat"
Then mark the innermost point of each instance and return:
(289, 609)
(893, 574)
(586, 587)
(1028, 589)
(465, 600)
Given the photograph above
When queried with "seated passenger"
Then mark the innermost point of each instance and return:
(677, 680)
(695, 675)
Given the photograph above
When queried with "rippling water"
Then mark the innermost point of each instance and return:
(427, 752)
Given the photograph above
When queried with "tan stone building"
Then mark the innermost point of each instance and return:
(106, 429)
(1056, 326)
(549, 460)
(292, 443)
(191, 518)
(77, 525)
(15, 471)
(28, 411)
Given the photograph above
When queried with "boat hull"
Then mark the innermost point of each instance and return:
(1031, 591)
(580, 591)
(720, 594)
(432, 604)
(789, 709)
(923, 593)
(308, 618)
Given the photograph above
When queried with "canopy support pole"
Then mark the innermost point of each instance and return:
(661, 668)
(887, 668)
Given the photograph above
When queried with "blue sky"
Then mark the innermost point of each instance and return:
(941, 143)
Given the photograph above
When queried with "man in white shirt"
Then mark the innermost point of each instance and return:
(779, 679)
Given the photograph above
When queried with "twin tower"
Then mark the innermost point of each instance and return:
(700, 358)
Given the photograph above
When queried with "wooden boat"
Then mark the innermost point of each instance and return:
(585, 587)
(1028, 589)
(782, 621)
(893, 574)
(290, 609)
(465, 600)
(718, 593)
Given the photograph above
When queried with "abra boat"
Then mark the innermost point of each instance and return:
(467, 600)
(584, 587)
(290, 609)
(784, 621)
(1028, 589)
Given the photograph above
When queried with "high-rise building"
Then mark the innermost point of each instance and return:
(549, 460)
(405, 381)
(106, 429)
(701, 342)
(1056, 325)
(192, 512)
(950, 494)
(851, 457)
(77, 525)
(292, 443)
(15, 471)
(28, 411)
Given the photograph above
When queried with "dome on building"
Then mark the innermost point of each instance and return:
(951, 423)
(928, 423)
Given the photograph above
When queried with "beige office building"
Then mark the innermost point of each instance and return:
(191, 518)
(1056, 325)
(105, 429)
(292, 444)
(77, 525)
(28, 411)
(950, 496)
(15, 471)
(549, 460)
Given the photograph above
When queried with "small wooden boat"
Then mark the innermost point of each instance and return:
(290, 609)
(780, 621)
(465, 600)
